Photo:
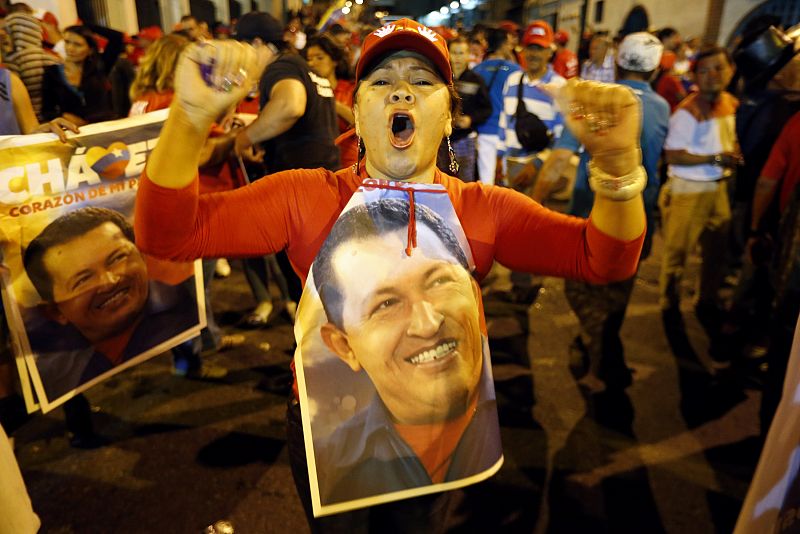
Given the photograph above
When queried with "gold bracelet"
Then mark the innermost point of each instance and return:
(613, 187)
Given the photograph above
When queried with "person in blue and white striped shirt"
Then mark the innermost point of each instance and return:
(539, 48)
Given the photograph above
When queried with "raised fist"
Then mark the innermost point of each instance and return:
(214, 76)
(606, 119)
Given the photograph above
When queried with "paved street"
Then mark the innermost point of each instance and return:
(673, 454)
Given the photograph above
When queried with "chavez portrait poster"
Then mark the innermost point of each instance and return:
(81, 300)
(393, 367)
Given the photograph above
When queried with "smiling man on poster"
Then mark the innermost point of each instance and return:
(101, 306)
(411, 323)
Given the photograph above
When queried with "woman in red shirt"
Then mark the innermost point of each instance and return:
(403, 107)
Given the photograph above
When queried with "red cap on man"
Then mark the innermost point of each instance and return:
(561, 37)
(409, 35)
(538, 33)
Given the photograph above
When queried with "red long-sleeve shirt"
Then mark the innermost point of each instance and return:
(297, 209)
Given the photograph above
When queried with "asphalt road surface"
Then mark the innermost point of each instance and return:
(673, 453)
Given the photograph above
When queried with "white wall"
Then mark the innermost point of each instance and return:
(222, 11)
(273, 7)
(64, 10)
(171, 12)
(569, 19)
(686, 16)
(122, 16)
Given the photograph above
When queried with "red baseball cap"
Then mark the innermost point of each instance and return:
(151, 33)
(405, 34)
(509, 26)
(561, 37)
(538, 33)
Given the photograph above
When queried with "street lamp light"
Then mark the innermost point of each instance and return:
(444, 10)
(454, 4)
(345, 10)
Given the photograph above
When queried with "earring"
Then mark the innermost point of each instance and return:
(358, 154)
(453, 163)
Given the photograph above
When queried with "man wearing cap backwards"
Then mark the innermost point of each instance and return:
(601, 309)
(403, 108)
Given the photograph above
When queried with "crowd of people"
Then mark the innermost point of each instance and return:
(713, 154)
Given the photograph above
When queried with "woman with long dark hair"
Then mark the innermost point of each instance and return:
(78, 89)
(327, 59)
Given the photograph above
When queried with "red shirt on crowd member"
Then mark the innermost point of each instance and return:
(218, 177)
(565, 61)
(296, 210)
(783, 165)
(669, 85)
(343, 93)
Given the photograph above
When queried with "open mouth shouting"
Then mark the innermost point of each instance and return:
(444, 350)
(401, 130)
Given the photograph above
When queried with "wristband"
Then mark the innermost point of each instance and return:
(613, 187)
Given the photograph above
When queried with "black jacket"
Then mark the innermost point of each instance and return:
(474, 102)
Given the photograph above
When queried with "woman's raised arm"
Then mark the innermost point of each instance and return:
(210, 79)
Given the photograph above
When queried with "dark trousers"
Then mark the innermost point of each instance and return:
(601, 312)
(292, 280)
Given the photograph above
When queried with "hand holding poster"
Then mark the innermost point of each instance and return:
(82, 302)
(393, 364)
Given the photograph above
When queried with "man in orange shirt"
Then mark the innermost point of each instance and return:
(701, 151)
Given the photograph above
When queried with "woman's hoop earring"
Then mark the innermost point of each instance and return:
(358, 154)
(453, 163)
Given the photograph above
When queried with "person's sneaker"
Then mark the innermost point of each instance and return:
(592, 383)
(230, 341)
(720, 354)
(223, 526)
(259, 317)
(223, 268)
(207, 371)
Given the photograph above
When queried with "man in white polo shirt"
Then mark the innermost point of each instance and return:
(701, 151)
